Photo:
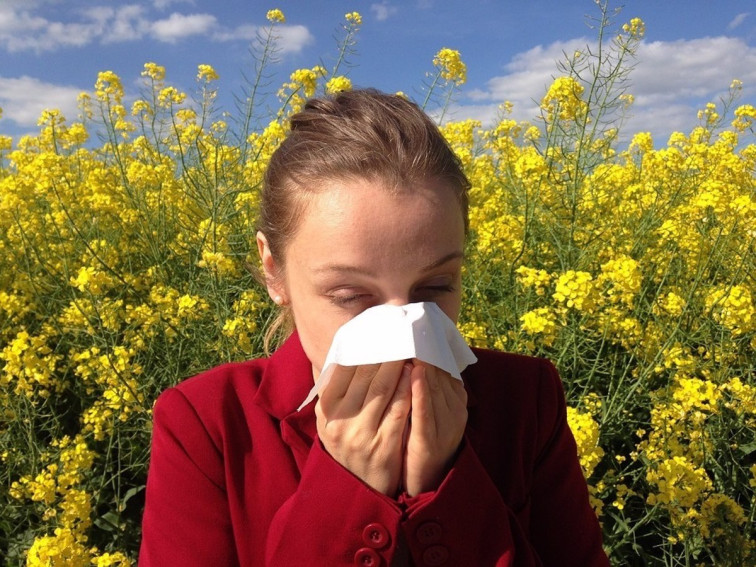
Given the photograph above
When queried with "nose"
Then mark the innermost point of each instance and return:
(398, 299)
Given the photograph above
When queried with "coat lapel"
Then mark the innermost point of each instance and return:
(285, 383)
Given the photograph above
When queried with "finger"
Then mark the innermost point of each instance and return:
(381, 390)
(358, 387)
(450, 406)
(337, 387)
(456, 395)
(423, 419)
(398, 408)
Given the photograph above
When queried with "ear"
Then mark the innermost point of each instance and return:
(271, 270)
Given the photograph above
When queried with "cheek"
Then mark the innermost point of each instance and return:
(451, 306)
(316, 328)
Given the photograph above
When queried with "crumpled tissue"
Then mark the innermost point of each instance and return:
(396, 332)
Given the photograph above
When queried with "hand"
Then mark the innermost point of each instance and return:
(437, 424)
(361, 419)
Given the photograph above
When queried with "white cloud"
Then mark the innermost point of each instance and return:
(677, 70)
(163, 4)
(293, 39)
(383, 11)
(127, 24)
(290, 39)
(179, 26)
(246, 32)
(670, 82)
(24, 98)
(22, 30)
(18, 29)
(737, 20)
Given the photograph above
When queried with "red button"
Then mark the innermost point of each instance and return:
(435, 555)
(367, 557)
(429, 532)
(376, 536)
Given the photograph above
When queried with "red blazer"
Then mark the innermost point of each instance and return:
(238, 477)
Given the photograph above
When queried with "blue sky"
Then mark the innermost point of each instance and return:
(50, 50)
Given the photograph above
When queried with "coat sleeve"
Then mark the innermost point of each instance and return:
(340, 520)
(335, 518)
(563, 526)
(466, 521)
(186, 519)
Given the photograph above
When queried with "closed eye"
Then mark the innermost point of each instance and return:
(344, 300)
(348, 297)
(430, 292)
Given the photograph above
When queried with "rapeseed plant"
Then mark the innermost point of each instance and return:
(126, 267)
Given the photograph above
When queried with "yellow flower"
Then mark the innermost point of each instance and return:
(117, 559)
(733, 308)
(169, 96)
(718, 513)
(206, 73)
(91, 280)
(620, 497)
(623, 278)
(154, 71)
(450, 66)
(643, 141)
(636, 28)
(679, 483)
(475, 334)
(563, 99)
(218, 262)
(586, 432)
(540, 321)
(64, 549)
(671, 304)
(76, 509)
(275, 16)
(303, 79)
(354, 18)
(744, 117)
(108, 86)
(533, 278)
(338, 84)
(575, 290)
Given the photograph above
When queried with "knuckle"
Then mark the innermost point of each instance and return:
(379, 388)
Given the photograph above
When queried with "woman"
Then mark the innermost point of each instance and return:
(365, 204)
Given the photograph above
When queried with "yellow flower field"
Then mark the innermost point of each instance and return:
(127, 258)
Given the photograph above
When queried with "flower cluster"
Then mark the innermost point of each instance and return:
(450, 66)
(127, 266)
(124, 269)
(631, 270)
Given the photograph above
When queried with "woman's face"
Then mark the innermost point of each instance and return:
(358, 245)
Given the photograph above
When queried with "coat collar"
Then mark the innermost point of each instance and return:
(284, 384)
(286, 380)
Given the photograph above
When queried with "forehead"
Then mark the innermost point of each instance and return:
(339, 204)
(364, 218)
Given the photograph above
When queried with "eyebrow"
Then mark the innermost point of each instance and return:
(441, 261)
(347, 268)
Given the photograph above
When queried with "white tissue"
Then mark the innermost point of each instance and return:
(396, 332)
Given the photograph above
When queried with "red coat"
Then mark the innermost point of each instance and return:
(238, 477)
